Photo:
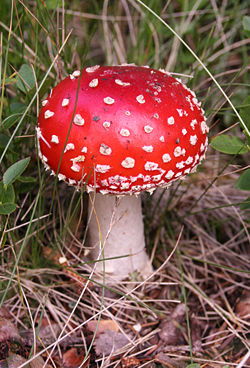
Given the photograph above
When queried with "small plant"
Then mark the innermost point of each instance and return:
(7, 193)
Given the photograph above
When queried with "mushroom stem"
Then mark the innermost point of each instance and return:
(122, 236)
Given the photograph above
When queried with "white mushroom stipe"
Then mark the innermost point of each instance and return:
(114, 216)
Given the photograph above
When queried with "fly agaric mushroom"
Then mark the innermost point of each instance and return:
(121, 130)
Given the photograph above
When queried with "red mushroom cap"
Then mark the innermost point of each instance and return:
(131, 129)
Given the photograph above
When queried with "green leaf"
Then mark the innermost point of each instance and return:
(53, 4)
(7, 208)
(7, 194)
(245, 205)
(246, 23)
(25, 78)
(10, 81)
(193, 365)
(14, 171)
(16, 107)
(27, 179)
(10, 120)
(243, 183)
(230, 145)
(4, 139)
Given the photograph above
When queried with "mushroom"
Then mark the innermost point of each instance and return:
(132, 129)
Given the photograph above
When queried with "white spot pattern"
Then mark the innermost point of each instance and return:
(48, 114)
(105, 150)
(140, 99)
(93, 83)
(166, 157)
(193, 123)
(78, 120)
(150, 166)
(102, 168)
(189, 160)
(65, 102)
(69, 147)
(54, 139)
(108, 100)
(162, 139)
(75, 167)
(169, 175)
(148, 148)
(128, 163)
(180, 165)
(148, 129)
(80, 158)
(179, 151)
(92, 69)
(193, 139)
(120, 83)
(76, 73)
(61, 177)
(106, 124)
(125, 132)
(204, 127)
(171, 120)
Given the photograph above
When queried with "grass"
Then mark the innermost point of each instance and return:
(197, 231)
